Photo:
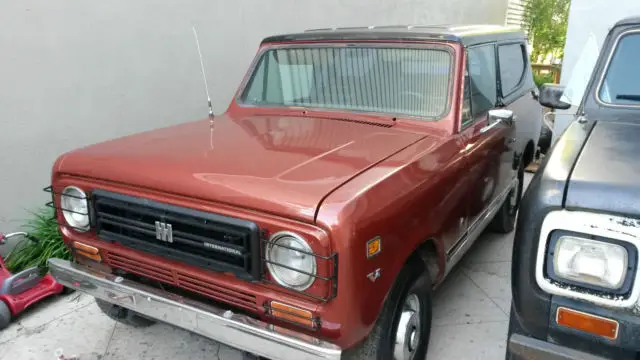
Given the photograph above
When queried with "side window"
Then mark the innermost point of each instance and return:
(466, 116)
(512, 66)
(482, 76)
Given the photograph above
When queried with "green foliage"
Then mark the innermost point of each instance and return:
(540, 79)
(545, 21)
(28, 253)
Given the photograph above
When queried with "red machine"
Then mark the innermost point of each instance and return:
(21, 290)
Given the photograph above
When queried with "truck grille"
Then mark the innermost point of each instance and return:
(206, 240)
(191, 282)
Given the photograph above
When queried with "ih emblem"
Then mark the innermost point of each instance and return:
(164, 232)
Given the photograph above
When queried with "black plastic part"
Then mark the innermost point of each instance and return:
(131, 221)
(524, 347)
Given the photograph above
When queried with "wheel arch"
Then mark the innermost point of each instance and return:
(528, 153)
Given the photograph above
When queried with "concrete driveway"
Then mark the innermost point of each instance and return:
(470, 320)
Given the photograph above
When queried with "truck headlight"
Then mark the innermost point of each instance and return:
(75, 209)
(290, 261)
(590, 262)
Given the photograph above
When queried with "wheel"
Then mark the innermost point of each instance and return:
(124, 315)
(5, 315)
(505, 219)
(404, 325)
(546, 135)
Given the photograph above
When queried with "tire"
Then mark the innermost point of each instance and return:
(5, 315)
(544, 143)
(124, 315)
(412, 283)
(505, 219)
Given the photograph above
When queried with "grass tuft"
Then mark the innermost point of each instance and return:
(27, 254)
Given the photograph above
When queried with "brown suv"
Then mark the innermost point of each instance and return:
(312, 219)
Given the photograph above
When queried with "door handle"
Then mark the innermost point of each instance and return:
(490, 126)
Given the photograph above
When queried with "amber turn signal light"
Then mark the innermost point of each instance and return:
(87, 251)
(374, 246)
(591, 324)
(292, 314)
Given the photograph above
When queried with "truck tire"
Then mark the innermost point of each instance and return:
(124, 315)
(505, 219)
(411, 292)
(5, 315)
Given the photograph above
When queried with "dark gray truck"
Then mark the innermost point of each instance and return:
(575, 282)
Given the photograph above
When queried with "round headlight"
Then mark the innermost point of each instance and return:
(293, 253)
(73, 202)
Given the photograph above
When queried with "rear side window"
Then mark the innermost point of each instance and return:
(482, 73)
(512, 66)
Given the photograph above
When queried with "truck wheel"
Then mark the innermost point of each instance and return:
(404, 325)
(124, 315)
(505, 219)
(5, 315)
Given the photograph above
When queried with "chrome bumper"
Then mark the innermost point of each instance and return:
(237, 330)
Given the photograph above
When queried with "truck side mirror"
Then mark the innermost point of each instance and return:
(550, 95)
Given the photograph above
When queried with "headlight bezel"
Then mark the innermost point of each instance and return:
(630, 274)
(607, 226)
(271, 265)
(67, 214)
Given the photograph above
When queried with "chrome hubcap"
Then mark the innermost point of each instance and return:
(408, 332)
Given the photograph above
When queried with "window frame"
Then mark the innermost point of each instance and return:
(497, 70)
(605, 70)
(251, 73)
(525, 58)
(465, 86)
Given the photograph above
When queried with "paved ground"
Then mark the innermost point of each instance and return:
(470, 319)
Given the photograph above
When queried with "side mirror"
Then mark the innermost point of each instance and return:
(504, 116)
(550, 95)
(498, 116)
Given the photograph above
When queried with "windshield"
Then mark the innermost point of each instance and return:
(621, 84)
(403, 81)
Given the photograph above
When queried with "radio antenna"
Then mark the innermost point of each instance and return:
(204, 75)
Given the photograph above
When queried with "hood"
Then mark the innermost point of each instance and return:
(279, 164)
(605, 176)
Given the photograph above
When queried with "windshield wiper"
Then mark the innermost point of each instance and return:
(631, 97)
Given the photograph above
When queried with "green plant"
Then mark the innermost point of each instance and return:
(540, 79)
(29, 253)
(545, 22)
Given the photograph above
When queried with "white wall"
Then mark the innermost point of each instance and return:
(76, 72)
(586, 18)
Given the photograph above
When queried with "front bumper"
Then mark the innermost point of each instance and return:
(524, 347)
(237, 330)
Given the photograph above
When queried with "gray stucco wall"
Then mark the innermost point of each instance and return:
(77, 72)
(586, 18)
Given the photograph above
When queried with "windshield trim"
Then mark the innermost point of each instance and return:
(603, 75)
(439, 46)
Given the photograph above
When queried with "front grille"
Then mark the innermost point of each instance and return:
(192, 283)
(206, 240)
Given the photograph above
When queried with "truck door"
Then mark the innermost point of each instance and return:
(488, 141)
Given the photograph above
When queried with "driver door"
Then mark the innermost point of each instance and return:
(488, 140)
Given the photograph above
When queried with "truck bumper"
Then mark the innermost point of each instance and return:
(524, 347)
(237, 330)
